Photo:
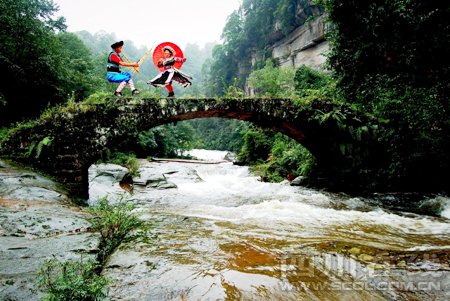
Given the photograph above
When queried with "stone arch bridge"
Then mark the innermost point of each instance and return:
(64, 143)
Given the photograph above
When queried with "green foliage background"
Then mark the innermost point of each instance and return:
(392, 58)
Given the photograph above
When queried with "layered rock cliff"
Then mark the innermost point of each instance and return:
(306, 45)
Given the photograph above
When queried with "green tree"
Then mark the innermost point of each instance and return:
(98, 42)
(171, 139)
(391, 59)
(222, 71)
(218, 133)
(286, 157)
(293, 13)
(256, 148)
(29, 56)
(78, 77)
(162, 141)
(388, 43)
(273, 82)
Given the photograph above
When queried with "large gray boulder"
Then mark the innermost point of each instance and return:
(104, 181)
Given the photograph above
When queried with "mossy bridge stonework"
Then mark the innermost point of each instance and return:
(64, 143)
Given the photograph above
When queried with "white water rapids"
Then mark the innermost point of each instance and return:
(221, 234)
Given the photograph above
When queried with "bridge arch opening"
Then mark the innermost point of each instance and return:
(215, 133)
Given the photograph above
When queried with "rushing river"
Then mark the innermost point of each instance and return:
(221, 234)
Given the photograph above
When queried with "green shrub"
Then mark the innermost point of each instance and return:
(399, 40)
(3, 133)
(113, 222)
(273, 155)
(272, 82)
(233, 90)
(72, 280)
(97, 98)
(307, 78)
(312, 85)
(286, 157)
(256, 147)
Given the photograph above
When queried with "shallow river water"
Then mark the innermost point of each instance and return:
(221, 234)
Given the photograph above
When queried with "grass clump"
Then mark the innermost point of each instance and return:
(82, 280)
(3, 134)
(113, 222)
(72, 280)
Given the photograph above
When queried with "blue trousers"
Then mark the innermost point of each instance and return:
(115, 77)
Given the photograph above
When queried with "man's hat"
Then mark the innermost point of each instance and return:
(117, 44)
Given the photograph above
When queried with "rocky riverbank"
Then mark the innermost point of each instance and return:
(37, 223)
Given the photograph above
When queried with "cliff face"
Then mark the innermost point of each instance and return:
(306, 45)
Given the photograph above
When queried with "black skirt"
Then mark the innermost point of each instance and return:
(167, 76)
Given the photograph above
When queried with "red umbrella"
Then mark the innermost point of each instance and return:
(158, 54)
